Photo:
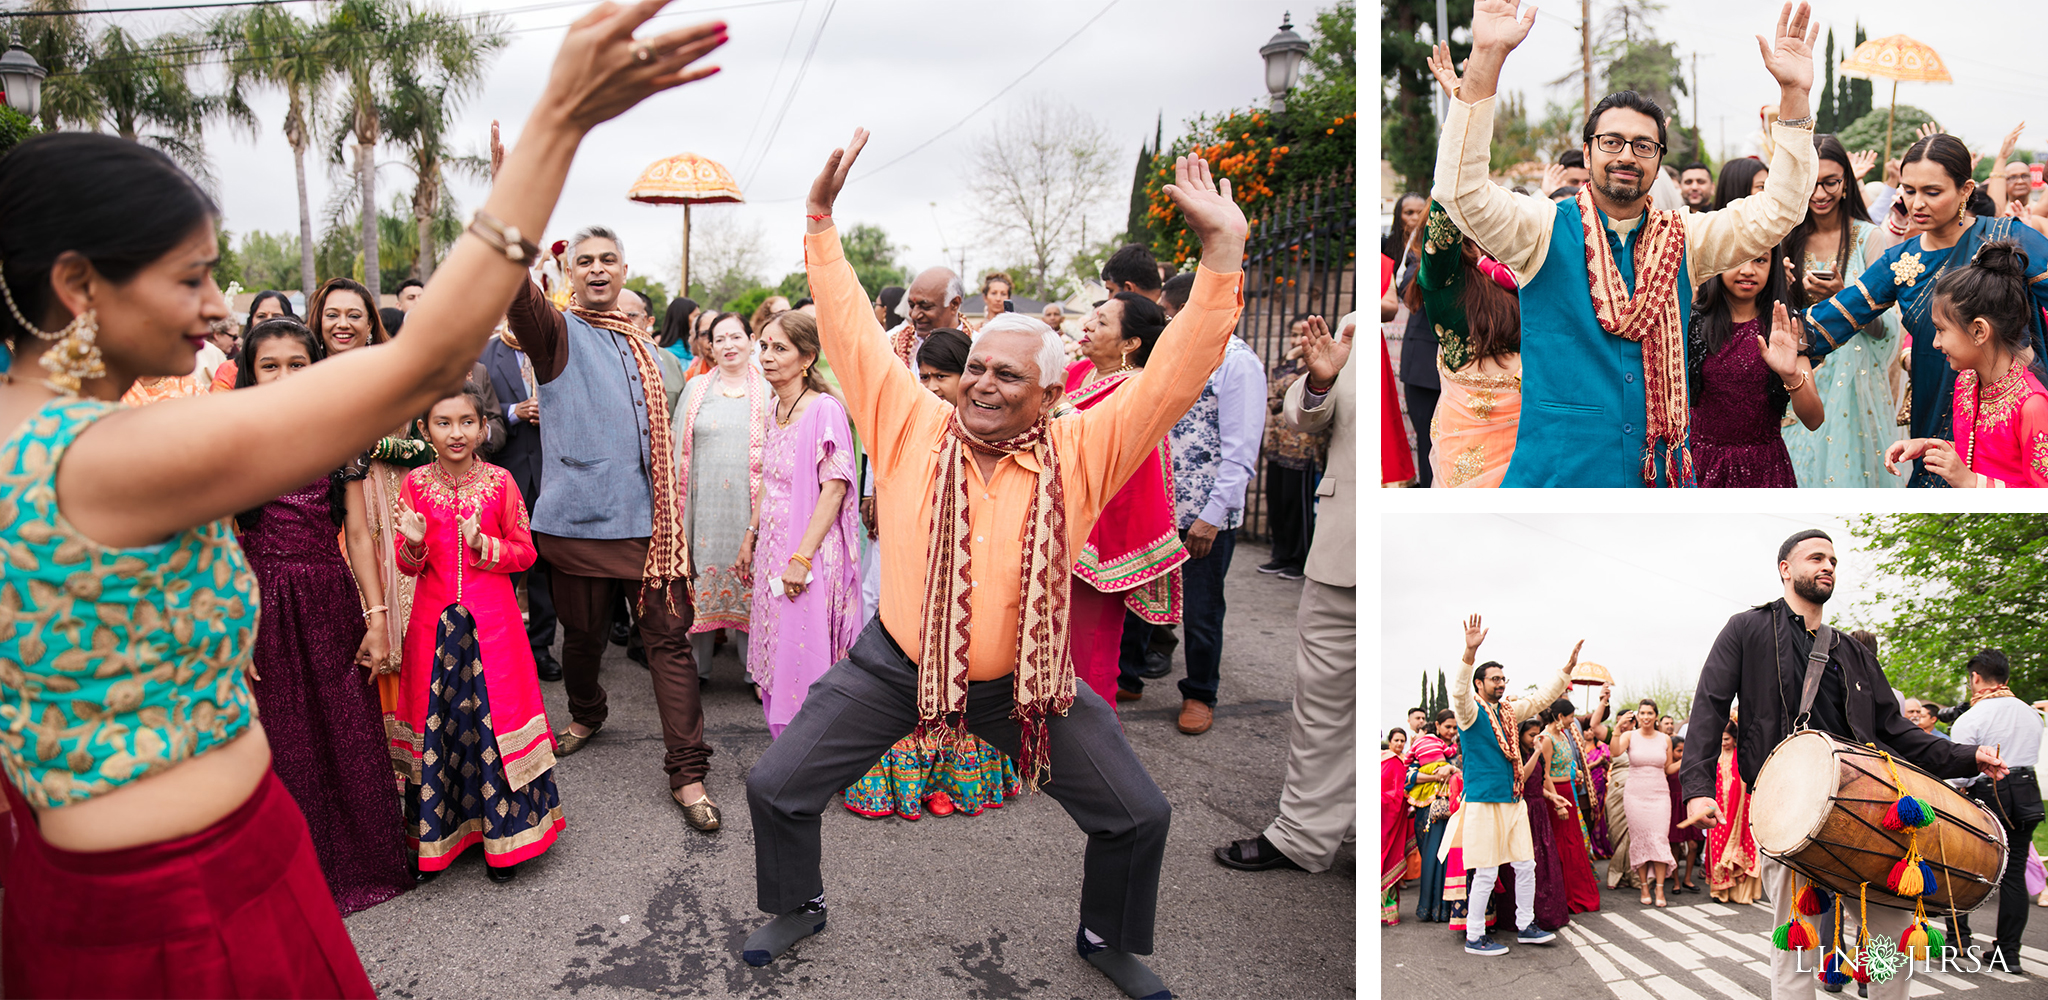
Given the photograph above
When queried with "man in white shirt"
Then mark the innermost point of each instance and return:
(1999, 719)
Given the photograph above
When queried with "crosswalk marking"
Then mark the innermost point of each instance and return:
(1748, 941)
(1715, 909)
(1669, 921)
(1952, 982)
(1628, 989)
(1724, 985)
(1711, 945)
(1686, 957)
(1627, 926)
(1920, 988)
(1625, 960)
(1601, 966)
(1692, 913)
(2033, 954)
(1670, 989)
(1587, 929)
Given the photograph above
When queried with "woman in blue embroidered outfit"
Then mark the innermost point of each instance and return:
(1822, 253)
(129, 613)
(1934, 183)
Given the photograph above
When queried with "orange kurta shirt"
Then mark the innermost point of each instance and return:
(904, 426)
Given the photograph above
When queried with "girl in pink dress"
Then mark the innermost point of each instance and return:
(1984, 317)
(483, 772)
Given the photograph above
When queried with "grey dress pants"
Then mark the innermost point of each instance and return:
(866, 702)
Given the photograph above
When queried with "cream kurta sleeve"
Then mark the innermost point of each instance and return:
(1512, 228)
(1462, 705)
(1750, 227)
(1552, 689)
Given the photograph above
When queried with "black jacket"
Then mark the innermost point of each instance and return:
(1753, 658)
(520, 454)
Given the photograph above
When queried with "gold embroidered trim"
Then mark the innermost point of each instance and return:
(1867, 297)
(1470, 463)
(520, 771)
(499, 845)
(1472, 380)
(2002, 398)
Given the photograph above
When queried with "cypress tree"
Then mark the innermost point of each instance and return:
(1824, 116)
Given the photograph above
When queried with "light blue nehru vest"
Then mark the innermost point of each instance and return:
(1583, 404)
(594, 441)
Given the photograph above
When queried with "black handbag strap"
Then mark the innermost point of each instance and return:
(1816, 662)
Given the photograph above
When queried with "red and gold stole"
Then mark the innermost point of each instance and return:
(1045, 669)
(1508, 736)
(668, 554)
(905, 339)
(1650, 318)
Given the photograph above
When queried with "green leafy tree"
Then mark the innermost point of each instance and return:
(270, 260)
(15, 128)
(873, 257)
(1859, 90)
(1955, 584)
(1514, 135)
(1867, 132)
(418, 118)
(1443, 695)
(374, 42)
(795, 285)
(144, 93)
(1824, 120)
(228, 269)
(63, 46)
(653, 289)
(269, 47)
(1407, 30)
(747, 301)
(1136, 225)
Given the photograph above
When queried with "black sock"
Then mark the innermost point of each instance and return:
(1123, 968)
(773, 938)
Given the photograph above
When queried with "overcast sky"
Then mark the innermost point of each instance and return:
(904, 70)
(1648, 593)
(1988, 97)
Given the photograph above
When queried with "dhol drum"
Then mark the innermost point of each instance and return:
(1818, 808)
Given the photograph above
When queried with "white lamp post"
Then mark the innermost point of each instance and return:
(1283, 54)
(23, 77)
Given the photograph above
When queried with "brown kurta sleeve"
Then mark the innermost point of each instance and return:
(541, 331)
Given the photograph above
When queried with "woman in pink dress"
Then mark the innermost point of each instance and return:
(1646, 798)
(1133, 556)
(483, 766)
(807, 585)
(1983, 321)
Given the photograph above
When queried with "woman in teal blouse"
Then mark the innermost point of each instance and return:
(163, 857)
(1934, 183)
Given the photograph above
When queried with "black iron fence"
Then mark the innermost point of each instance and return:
(1302, 259)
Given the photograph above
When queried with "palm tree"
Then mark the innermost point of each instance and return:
(418, 117)
(378, 41)
(63, 47)
(144, 93)
(267, 46)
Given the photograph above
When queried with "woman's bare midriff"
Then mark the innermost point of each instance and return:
(182, 801)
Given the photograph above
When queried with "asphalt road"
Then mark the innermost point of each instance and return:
(632, 902)
(1696, 949)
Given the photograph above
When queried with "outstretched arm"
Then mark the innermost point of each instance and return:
(1514, 229)
(1717, 241)
(139, 476)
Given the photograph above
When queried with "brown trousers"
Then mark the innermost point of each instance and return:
(584, 605)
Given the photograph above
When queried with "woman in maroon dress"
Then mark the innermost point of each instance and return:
(326, 730)
(1740, 385)
(1552, 908)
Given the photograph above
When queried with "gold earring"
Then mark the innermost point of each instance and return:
(75, 354)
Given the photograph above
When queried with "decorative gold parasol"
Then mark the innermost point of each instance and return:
(685, 179)
(1591, 674)
(1895, 58)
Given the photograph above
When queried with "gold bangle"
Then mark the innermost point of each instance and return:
(798, 557)
(505, 239)
(1796, 386)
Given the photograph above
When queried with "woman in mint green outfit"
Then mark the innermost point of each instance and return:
(1828, 249)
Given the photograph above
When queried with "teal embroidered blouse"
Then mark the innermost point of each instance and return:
(114, 663)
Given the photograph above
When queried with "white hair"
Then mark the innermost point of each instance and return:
(595, 233)
(1052, 350)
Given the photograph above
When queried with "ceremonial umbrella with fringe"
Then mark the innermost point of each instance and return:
(1895, 58)
(685, 179)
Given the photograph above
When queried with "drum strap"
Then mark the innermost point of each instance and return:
(1816, 662)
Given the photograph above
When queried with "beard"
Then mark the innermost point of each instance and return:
(1810, 589)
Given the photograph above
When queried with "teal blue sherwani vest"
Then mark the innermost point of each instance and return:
(1583, 405)
(1488, 775)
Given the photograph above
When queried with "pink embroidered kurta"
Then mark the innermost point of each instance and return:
(2002, 432)
(795, 640)
(450, 573)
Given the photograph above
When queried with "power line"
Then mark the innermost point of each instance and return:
(767, 95)
(144, 10)
(948, 130)
(794, 85)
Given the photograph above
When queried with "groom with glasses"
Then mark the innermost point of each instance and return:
(1607, 281)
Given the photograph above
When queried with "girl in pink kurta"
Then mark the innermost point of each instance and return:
(482, 772)
(1984, 320)
(806, 561)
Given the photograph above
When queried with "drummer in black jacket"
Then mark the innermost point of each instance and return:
(1761, 657)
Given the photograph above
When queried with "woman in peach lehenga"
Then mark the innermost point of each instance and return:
(1471, 301)
(1732, 867)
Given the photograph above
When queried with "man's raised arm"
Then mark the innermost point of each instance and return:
(1750, 226)
(882, 396)
(1513, 229)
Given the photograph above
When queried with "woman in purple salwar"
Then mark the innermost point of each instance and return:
(807, 582)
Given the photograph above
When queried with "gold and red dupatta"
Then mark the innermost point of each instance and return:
(1651, 318)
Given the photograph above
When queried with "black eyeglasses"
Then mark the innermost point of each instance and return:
(1610, 142)
(1830, 185)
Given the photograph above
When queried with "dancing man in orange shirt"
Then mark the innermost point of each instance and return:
(983, 509)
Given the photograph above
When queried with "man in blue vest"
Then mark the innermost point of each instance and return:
(608, 523)
(1604, 394)
(1492, 825)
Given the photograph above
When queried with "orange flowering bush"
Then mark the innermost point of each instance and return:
(1261, 155)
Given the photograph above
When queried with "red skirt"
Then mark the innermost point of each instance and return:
(239, 909)
(1581, 888)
